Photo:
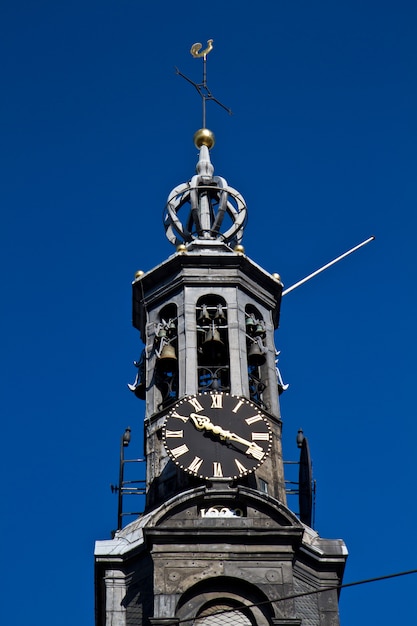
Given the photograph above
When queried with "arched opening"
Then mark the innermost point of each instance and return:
(166, 350)
(212, 344)
(224, 613)
(225, 601)
(256, 354)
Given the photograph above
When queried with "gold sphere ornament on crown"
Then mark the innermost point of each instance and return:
(139, 274)
(204, 137)
(239, 249)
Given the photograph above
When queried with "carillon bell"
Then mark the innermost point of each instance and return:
(259, 330)
(220, 317)
(204, 317)
(250, 324)
(213, 347)
(167, 359)
(256, 355)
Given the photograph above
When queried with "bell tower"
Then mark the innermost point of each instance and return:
(216, 542)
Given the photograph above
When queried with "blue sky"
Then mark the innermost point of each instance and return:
(96, 129)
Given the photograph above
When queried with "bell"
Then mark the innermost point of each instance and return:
(250, 324)
(162, 333)
(213, 347)
(204, 317)
(167, 360)
(220, 318)
(256, 356)
(259, 330)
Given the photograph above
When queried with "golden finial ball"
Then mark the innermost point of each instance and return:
(204, 137)
(277, 277)
(181, 248)
(139, 274)
(239, 249)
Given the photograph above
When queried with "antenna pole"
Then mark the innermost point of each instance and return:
(339, 258)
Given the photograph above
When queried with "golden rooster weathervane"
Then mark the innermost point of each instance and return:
(202, 87)
(196, 47)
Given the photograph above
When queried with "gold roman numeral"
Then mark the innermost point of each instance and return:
(195, 403)
(174, 433)
(257, 454)
(195, 464)
(178, 416)
(237, 407)
(260, 436)
(253, 420)
(176, 452)
(217, 469)
(240, 467)
(217, 401)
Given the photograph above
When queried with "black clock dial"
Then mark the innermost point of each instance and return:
(217, 435)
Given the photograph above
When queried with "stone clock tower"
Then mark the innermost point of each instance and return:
(216, 543)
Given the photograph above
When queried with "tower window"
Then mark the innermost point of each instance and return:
(256, 353)
(212, 344)
(263, 485)
(166, 349)
(225, 613)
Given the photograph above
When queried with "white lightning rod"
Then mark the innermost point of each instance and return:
(339, 258)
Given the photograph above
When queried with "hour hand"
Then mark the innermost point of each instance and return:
(202, 422)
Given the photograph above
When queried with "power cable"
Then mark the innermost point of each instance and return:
(301, 594)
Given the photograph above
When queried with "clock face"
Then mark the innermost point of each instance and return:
(217, 435)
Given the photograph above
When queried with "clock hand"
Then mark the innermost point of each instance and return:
(202, 422)
(251, 446)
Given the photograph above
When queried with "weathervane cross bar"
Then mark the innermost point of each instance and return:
(202, 87)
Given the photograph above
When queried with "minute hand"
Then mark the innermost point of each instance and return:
(253, 448)
(202, 422)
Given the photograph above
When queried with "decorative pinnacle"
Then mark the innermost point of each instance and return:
(217, 212)
(202, 87)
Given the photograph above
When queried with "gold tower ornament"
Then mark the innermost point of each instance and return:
(196, 51)
(202, 88)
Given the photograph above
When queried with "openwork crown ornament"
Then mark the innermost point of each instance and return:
(215, 210)
(210, 209)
